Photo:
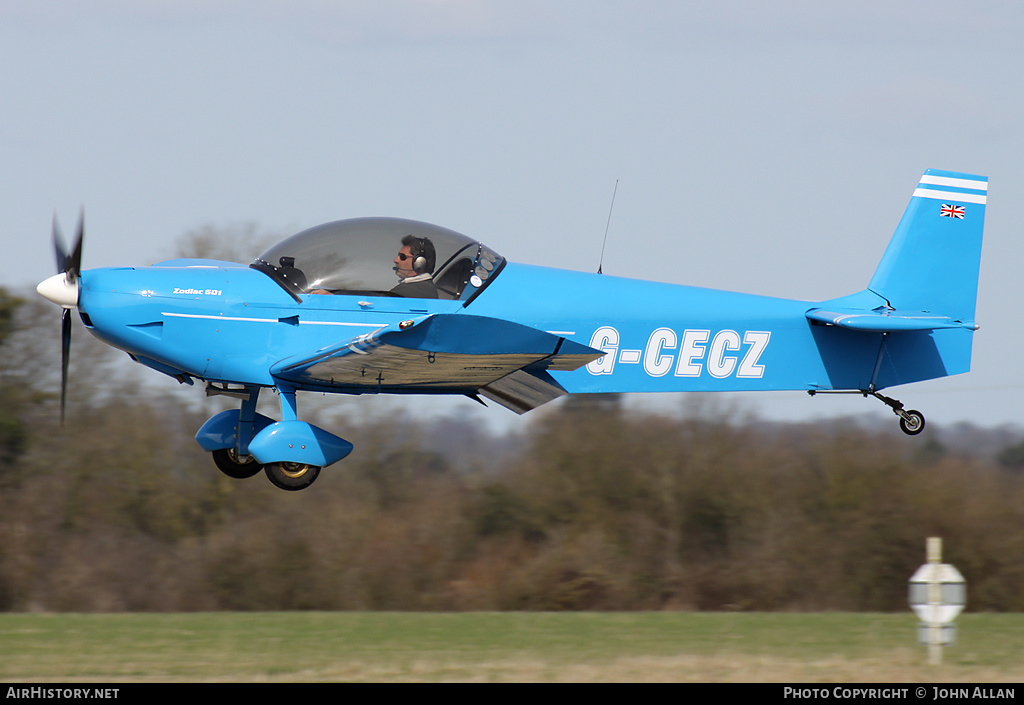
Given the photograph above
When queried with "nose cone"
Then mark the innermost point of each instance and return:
(59, 290)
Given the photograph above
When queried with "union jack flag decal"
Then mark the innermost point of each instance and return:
(951, 211)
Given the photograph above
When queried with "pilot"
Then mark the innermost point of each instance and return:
(414, 265)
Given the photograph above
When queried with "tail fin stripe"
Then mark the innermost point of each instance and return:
(951, 196)
(933, 180)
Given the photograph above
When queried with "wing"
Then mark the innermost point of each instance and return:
(504, 361)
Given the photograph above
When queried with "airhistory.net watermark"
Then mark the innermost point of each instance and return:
(39, 692)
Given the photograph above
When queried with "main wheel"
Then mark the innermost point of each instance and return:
(912, 423)
(291, 476)
(233, 465)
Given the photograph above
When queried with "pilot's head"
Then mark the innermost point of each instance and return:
(416, 257)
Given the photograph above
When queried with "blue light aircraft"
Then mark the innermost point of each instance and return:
(391, 306)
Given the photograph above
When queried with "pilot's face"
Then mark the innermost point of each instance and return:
(403, 263)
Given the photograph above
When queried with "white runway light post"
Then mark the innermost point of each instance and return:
(937, 595)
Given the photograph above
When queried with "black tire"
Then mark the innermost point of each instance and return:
(291, 476)
(913, 425)
(228, 462)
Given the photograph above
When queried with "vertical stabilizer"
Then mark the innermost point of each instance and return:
(933, 259)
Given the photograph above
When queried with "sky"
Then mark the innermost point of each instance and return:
(764, 147)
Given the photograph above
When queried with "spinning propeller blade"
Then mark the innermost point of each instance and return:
(65, 358)
(62, 289)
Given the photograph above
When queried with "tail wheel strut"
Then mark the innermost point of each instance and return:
(911, 420)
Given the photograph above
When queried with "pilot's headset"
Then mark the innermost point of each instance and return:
(422, 247)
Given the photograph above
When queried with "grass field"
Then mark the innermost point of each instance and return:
(499, 647)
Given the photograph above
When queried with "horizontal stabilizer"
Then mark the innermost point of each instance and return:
(445, 352)
(885, 320)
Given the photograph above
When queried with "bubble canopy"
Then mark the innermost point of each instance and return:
(372, 256)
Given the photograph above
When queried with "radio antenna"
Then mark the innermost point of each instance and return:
(607, 225)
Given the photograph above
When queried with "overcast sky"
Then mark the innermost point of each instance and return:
(767, 147)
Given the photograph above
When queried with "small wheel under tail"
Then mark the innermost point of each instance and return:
(912, 422)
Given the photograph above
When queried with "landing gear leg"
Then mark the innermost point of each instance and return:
(235, 462)
(246, 416)
(291, 476)
(911, 421)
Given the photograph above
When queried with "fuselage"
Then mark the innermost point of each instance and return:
(229, 323)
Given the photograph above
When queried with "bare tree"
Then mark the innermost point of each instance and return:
(241, 242)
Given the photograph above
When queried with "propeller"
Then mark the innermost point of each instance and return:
(63, 290)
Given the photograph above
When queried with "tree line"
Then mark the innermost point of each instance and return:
(592, 508)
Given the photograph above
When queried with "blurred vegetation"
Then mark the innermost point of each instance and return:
(592, 509)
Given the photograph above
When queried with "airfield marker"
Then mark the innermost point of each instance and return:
(937, 595)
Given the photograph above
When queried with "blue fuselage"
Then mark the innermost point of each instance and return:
(228, 323)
